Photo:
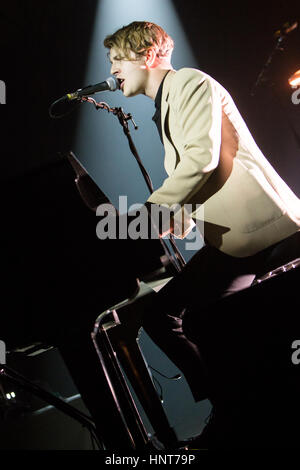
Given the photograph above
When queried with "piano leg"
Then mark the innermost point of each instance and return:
(133, 363)
(82, 361)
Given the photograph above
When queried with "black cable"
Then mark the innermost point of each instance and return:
(160, 391)
(75, 105)
(156, 381)
(175, 377)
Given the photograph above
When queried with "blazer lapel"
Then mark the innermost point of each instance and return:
(170, 150)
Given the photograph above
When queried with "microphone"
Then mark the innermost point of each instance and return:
(111, 84)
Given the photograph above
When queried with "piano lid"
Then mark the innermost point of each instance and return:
(56, 269)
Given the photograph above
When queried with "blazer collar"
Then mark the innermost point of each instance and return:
(170, 151)
(167, 85)
(165, 96)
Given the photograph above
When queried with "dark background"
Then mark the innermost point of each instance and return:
(44, 51)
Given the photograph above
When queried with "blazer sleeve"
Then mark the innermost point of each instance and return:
(196, 103)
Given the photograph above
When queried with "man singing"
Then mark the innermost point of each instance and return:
(251, 217)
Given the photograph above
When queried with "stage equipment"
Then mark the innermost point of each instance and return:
(280, 36)
(294, 80)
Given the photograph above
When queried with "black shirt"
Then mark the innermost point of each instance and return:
(157, 116)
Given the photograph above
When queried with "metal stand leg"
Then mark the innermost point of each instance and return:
(116, 342)
(120, 391)
(133, 362)
(17, 379)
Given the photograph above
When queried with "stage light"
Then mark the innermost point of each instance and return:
(294, 80)
(100, 142)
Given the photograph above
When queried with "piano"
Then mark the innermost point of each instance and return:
(65, 287)
(59, 277)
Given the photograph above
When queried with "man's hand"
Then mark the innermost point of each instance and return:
(169, 221)
(182, 224)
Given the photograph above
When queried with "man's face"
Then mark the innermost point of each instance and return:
(131, 73)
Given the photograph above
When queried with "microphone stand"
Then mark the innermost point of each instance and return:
(280, 36)
(276, 48)
(123, 120)
(119, 351)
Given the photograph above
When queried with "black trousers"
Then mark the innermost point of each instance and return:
(209, 276)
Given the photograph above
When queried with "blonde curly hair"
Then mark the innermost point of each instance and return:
(139, 37)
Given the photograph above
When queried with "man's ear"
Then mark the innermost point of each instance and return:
(150, 58)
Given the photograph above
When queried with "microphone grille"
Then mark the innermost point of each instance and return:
(113, 83)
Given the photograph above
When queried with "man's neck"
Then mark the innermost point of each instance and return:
(156, 76)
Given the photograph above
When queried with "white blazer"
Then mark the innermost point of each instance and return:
(212, 159)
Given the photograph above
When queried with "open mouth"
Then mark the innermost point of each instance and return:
(121, 82)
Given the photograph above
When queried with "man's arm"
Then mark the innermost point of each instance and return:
(197, 105)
